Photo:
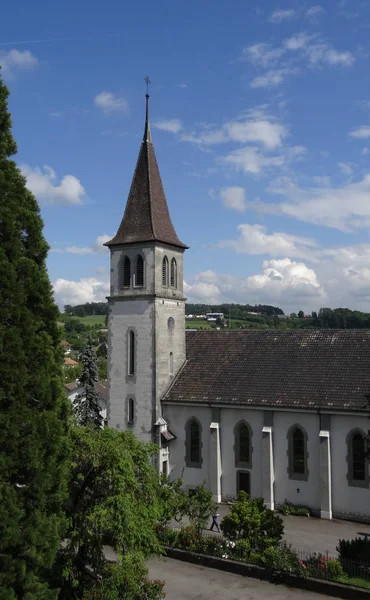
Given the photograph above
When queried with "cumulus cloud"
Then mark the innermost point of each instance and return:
(281, 282)
(172, 125)
(361, 132)
(14, 61)
(109, 103)
(273, 77)
(279, 15)
(234, 198)
(346, 168)
(252, 160)
(87, 289)
(253, 239)
(345, 207)
(314, 12)
(255, 126)
(262, 54)
(96, 247)
(43, 182)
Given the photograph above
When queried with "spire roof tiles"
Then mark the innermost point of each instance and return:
(146, 216)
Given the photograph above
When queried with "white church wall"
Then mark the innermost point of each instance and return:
(136, 315)
(348, 502)
(296, 491)
(177, 417)
(229, 418)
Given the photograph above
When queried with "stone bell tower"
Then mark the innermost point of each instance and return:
(146, 324)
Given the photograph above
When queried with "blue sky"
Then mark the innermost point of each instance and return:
(261, 123)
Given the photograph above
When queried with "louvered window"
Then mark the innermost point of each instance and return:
(126, 272)
(173, 273)
(139, 279)
(165, 271)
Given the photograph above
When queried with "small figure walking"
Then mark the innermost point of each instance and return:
(214, 521)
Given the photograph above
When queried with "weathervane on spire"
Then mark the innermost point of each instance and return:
(147, 81)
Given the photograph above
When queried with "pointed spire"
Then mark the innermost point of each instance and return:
(146, 217)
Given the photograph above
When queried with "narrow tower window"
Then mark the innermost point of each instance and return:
(171, 363)
(131, 353)
(131, 410)
(126, 272)
(165, 271)
(139, 276)
(173, 273)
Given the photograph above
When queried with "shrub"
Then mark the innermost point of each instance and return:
(354, 556)
(250, 519)
(295, 509)
(283, 558)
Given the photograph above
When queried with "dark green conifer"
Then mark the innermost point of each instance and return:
(87, 404)
(34, 437)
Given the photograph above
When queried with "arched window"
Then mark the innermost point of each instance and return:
(165, 271)
(171, 323)
(131, 353)
(139, 274)
(126, 272)
(130, 410)
(358, 471)
(243, 445)
(173, 273)
(171, 363)
(193, 443)
(297, 453)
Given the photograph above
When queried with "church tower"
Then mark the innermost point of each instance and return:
(146, 322)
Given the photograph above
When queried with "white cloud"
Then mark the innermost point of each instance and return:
(298, 41)
(315, 11)
(234, 198)
(322, 180)
(365, 151)
(14, 60)
(110, 102)
(282, 282)
(251, 160)
(279, 15)
(57, 114)
(172, 125)
(321, 53)
(46, 187)
(253, 239)
(87, 289)
(182, 85)
(99, 241)
(361, 132)
(272, 78)
(346, 208)
(346, 168)
(262, 54)
(256, 126)
(78, 250)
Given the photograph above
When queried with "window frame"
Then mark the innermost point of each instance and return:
(130, 410)
(131, 354)
(238, 462)
(291, 458)
(352, 482)
(173, 273)
(137, 259)
(126, 260)
(196, 464)
(165, 268)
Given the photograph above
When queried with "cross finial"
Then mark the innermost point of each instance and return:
(147, 81)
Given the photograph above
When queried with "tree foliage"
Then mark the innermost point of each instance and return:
(34, 413)
(87, 403)
(176, 503)
(113, 499)
(249, 520)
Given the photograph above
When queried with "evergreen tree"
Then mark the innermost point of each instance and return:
(34, 415)
(87, 405)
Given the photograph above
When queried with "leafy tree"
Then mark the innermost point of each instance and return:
(250, 520)
(72, 373)
(102, 368)
(34, 415)
(300, 314)
(199, 506)
(87, 403)
(113, 499)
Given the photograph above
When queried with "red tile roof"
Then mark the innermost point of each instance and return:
(69, 361)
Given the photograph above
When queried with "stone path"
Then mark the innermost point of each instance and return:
(185, 581)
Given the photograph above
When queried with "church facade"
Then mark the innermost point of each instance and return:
(283, 415)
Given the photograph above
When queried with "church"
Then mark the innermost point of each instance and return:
(283, 415)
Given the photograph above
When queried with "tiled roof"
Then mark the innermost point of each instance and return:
(300, 369)
(146, 216)
(100, 386)
(70, 362)
(65, 343)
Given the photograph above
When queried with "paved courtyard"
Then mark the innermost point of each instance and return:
(315, 535)
(185, 581)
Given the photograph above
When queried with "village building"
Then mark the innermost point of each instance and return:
(280, 414)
